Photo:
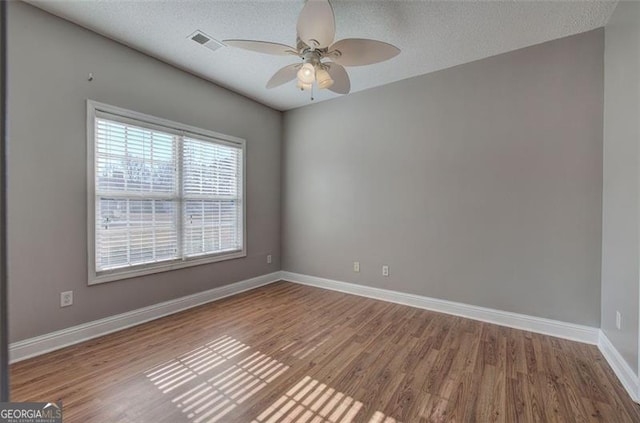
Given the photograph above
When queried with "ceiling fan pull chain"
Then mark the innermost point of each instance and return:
(311, 91)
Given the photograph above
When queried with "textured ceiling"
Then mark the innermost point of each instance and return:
(432, 35)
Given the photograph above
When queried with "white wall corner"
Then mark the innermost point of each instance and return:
(38, 345)
(541, 325)
(621, 368)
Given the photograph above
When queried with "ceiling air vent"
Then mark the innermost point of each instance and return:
(206, 41)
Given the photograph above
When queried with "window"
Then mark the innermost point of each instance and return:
(161, 195)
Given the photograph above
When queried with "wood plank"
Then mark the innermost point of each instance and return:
(292, 353)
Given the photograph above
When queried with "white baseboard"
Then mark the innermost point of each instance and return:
(627, 376)
(580, 333)
(59, 339)
(586, 334)
(55, 340)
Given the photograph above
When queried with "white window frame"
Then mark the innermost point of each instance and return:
(170, 127)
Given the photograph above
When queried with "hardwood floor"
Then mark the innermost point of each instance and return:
(291, 353)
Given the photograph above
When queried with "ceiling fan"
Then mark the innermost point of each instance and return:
(323, 60)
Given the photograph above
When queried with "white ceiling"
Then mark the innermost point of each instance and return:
(432, 35)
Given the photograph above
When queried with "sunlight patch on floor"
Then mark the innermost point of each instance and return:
(379, 417)
(211, 399)
(310, 401)
(187, 367)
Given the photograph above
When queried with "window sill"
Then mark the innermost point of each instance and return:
(120, 274)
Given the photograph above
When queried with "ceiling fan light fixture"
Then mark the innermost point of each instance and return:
(307, 74)
(316, 30)
(324, 79)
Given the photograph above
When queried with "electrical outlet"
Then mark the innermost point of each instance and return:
(385, 270)
(356, 266)
(268, 258)
(618, 320)
(66, 298)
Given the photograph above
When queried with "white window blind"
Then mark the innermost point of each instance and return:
(137, 193)
(211, 193)
(163, 195)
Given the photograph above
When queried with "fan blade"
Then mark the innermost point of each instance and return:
(262, 47)
(359, 52)
(283, 76)
(316, 24)
(341, 83)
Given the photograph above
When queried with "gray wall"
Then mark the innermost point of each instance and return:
(49, 60)
(480, 184)
(621, 173)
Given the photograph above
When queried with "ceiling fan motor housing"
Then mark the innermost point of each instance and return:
(312, 56)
